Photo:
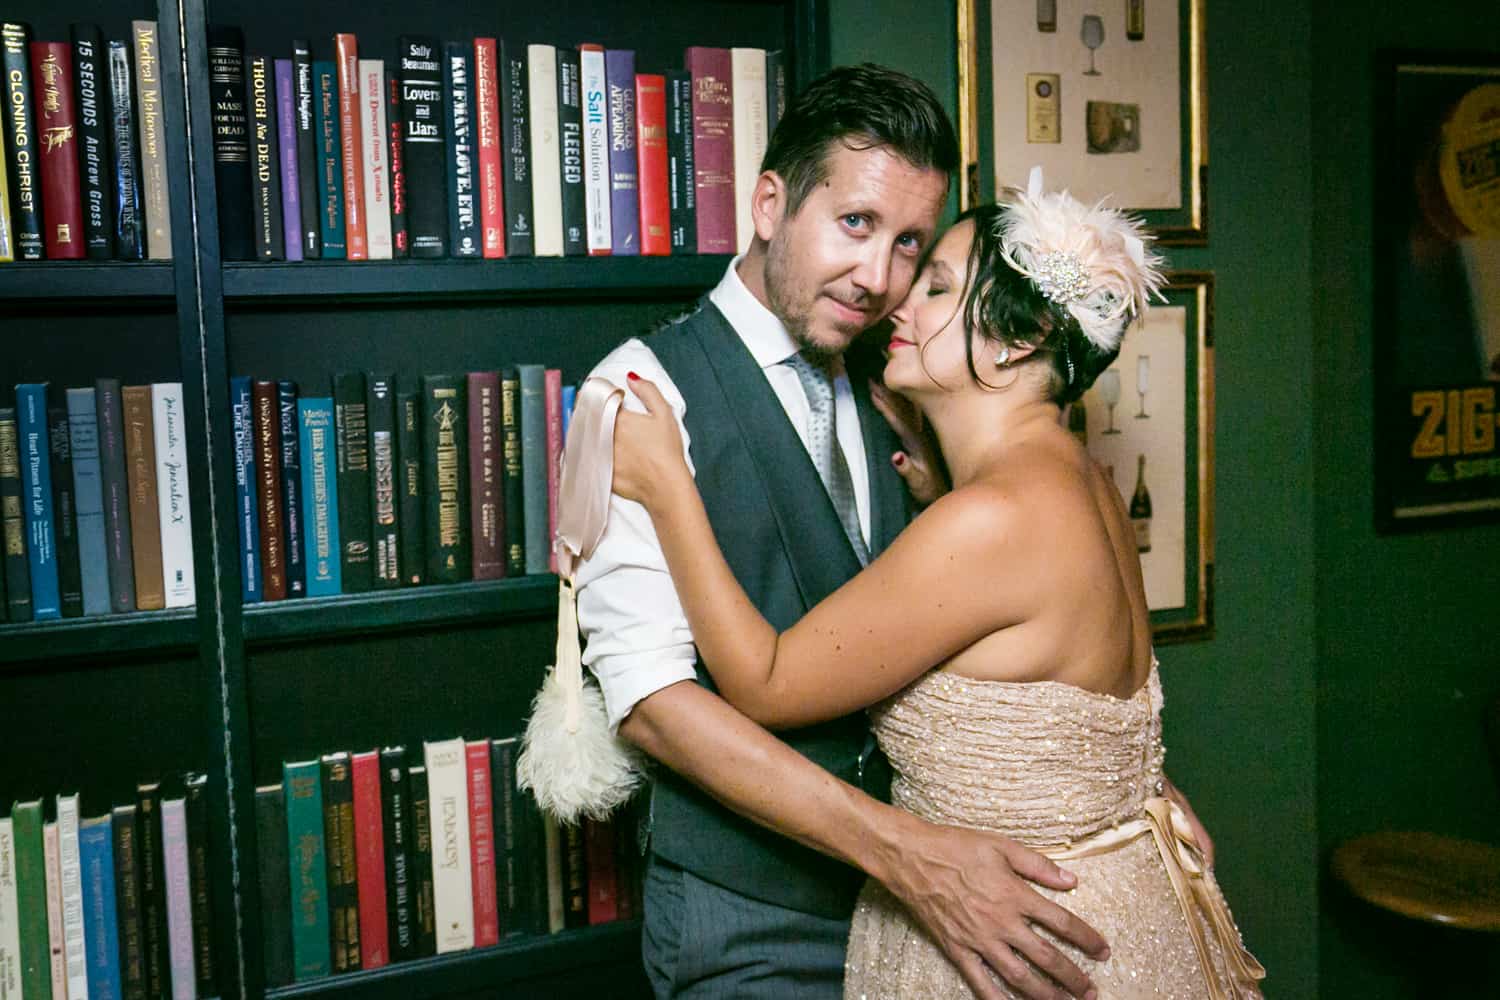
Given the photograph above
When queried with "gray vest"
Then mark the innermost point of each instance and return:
(782, 539)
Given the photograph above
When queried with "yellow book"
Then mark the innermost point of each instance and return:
(7, 238)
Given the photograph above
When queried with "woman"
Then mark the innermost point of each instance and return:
(1003, 638)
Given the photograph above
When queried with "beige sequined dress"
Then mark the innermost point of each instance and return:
(1076, 775)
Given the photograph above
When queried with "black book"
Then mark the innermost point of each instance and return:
(463, 198)
(515, 150)
(110, 409)
(395, 114)
(21, 145)
(575, 862)
(570, 152)
(200, 883)
(775, 89)
(681, 194)
(129, 235)
(292, 501)
(153, 889)
(513, 486)
(265, 167)
(17, 569)
(385, 533)
(231, 123)
(126, 832)
(395, 815)
(275, 884)
(307, 150)
(424, 146)
(91, 85)
(409, 514)
(65, 512)
(343, 874)
(520, 865)
(352, 447)
(421, 862)
(445, 467)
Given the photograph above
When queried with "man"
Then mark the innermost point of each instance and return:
(748, 892)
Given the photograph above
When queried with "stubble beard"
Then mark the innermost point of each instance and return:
(793, 303)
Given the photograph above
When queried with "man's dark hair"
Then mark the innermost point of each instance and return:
(862, 107)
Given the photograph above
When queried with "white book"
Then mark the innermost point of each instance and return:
(172, 493)
(448, 814)
(151, 134)
(70, 870)
(56, 954)
(372, 101)
(594, 96)
(10, 915)
(546, 165)
(750, 135)
(174, 853)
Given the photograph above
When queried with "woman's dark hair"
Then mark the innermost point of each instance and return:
(863, 107)
(1007, 307)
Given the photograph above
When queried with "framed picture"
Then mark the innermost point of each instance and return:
(1437, 290)
(1149, 420)
(1107, 97)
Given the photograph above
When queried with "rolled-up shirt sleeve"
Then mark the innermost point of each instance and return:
(636, 635)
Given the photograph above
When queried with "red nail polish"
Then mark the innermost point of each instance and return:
(899, 459)
(632, 376)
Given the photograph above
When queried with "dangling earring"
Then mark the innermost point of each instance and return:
(1003, 358)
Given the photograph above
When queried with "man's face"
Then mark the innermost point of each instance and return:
(849, 254)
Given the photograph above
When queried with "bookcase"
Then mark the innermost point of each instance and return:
(97, 704)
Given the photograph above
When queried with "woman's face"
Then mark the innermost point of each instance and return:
(927, 329)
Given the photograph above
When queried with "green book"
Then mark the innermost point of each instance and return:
(303, 785)
(31, 900)
(534, 466)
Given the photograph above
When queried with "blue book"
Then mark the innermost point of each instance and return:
(320, 490)
(246, 511)
(463, 195)
(36, 499)
(624, 174)
(292, 505)
(326, 138)
(96, 855)
(88, 501)
(570, 393)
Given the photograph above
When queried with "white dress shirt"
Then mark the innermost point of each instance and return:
(637, 639)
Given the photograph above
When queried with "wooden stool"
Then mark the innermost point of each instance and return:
(1441, 880)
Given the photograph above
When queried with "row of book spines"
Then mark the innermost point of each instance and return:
(376, 487)
(95, 502)
(367, 861)
(84, 171)
(117, 905)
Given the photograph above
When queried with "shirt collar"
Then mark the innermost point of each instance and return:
(761, 331)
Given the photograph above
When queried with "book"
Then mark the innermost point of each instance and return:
(395, 805)
(114, 481)
(126, 825)
(273, 880)
(10, 913)
(36, 500)
(372, 101)
(463, 209)
(353, 456)
(485, 509)
(57, 152)
(624, 170)
(385, 542)
(575, 875)
(713, 148)
(145, 508)
(544, 155)
(305, 97)
(602, 881)
(748, 68)
(444, 478)
(515, 106)
(88, 501)
(31, 899)
(370, 867)
(100, 930)
(7, 234)
(22, 156)
(395, 118)
(152, 141)
(130, 233)
(511, 866)
(552, 407)
(595, 87)
(534, 465)
(70, 894)
(320, 493)
(482, 843)
(351, 149)
(56, 955)
(421, 861)
(293, 501)
(246, 490)
(329, 147)
(424, 145)
(179, 899)
(231, 133)
(513, 484)
(200, 882)
(13, 521)
(775, 90)
(452, 874)
(271, 512)
(174, 509)
(552, 855)
(286, 152)
(569, 395)
(570, 149)
(651, 158)
(489, 181)
(266, 220)
(154, 942)
(307, 875)
(343, 871)
(64, 509)
(410, 517)
(91, 89)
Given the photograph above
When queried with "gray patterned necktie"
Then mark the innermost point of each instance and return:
(827, 456)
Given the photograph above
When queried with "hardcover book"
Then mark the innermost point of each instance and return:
(305, 95)
(651, 155)
(570, 145)
(231, 124)
(268, 490)
(350, 146)
(153, 888)
(57, 150)
(485, 510)
(343, 871)
(351, 418)
(31, 899)
(174, 510)
(91, 87)
(100, 930)
(372, 101)
(246, 507)
(452, 874)
(10, 913)
(36, 500)
(395, 803)
(13, 520)
(70, 884)
(374, 939)
(307, 870)
(129, 234)
(410, 517)
(750, 136)
(152, 142)
(145, 507)
(195, 786)
(320, 492)
(624, 176)
(274, 883)
(545, 157)
(463, 207)
(293, 502)
(490, 181)
(114, 480)
(421, 838)
(22, 144)
(64, 510)
(286, 152)
(595, 148)
(424, 145)
(88, 500)
(329, 145)
(713, 148)
(266, 220)
(534, 465)
(513, 488)
(482, 843)
(552, 405)
(445, 486)
(395, 119)
(56, 957)
(386, 528)
(775, 90)
(128, 902)
(179, 899)
(515, 105)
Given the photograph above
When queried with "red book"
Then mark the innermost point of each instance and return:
(487, 119)
(57, 135)
(599, 848)
(713, 147)
(369, 862)
(482, 844)
(651, 163)
(267, 424)
(552, 406)
(486, 507)
(356, 247)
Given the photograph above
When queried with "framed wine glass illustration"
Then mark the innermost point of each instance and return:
(1161, 455)
(1107, 97)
